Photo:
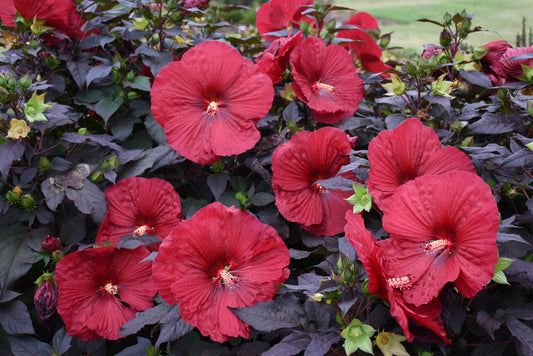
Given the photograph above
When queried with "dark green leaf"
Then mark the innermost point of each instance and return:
(476, 77)
(217, 183)
(149, 316)
(431, 21)
(141, 83)
(99, 71)
(79, 69)
(317, 313)
(15, 318)
(138, 349)
(18, 249)
(9, 152)
(28, 346)
(89, 200)
(61, 341)
(172, 327)
(269, 316)
(290, 345)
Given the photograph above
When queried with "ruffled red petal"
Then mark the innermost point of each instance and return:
(296, 167)
(134, 202)
(211, 73)
(218, 237)
(408, 151)
(87, 310)
(326, 79)
(277, 15)
(457, 207)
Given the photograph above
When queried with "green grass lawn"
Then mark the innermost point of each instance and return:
(502, 18)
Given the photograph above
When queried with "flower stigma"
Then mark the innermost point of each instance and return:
(142, 230)
(318, 85)
(226, 277)
(438, 246)
(110, 289)
(212, 108)
(400, 283)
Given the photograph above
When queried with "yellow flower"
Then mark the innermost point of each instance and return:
(18, 129)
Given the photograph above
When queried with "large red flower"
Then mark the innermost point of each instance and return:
(443, 230)
(273, 61)
(210, 101)
(410, 150)
(59, 14)
(297, 166)
(364, 47)
(326, 79)
(513, 68)
(492, 66)
(222, 257)
(383, 283)
(138, 206)
(277, 15)
(100, 289)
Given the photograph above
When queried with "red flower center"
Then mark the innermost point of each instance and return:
(318, 85)
(438, 246)
(400, 283)
(319, 188)
(142, 230)
(225, 276)
(110, 289)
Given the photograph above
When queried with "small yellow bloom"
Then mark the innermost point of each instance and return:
(18, 129)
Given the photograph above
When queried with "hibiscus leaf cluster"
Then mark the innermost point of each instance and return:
(194, 176)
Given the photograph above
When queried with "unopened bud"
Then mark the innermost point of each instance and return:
(25, 81)
(445, 38)
(410, 68)
(44, 164)
(45, 299)
(51, 244)
(27, 202)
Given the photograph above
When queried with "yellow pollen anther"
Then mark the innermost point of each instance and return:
(437, 246)
(111, 289)
(212, 108)
(400, 283)
(323, 86)
(226, 277)
(142, 230)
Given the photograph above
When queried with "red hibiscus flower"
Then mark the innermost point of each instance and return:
(297, 166)
(210, 101)
(222, 257)
(443, 230)
(364, 47)
(410, 150)
(140, 206)
(513, 68)
(59, 14)
(273, 61)
(492, 66)
(100, 289)
(277, 15)
(326, 79)
(387, 287)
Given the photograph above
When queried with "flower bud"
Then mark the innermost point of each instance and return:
(410, 68)
(51, 244)
(27, 202)
(25, 81)
(83, 131)
(45, 299)
(447, 19)
(445, 38)
(44, 164)
(96, 177)
(12, 197)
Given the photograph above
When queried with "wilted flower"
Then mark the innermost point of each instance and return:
(100, 289)
(210, 101)
(222, 257)
(17, 129)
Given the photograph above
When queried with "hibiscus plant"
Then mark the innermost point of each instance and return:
(177, 179)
